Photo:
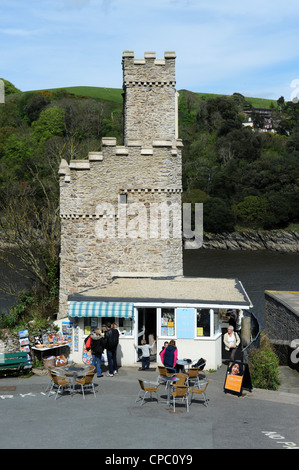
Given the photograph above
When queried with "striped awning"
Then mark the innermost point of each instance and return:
(100, 309)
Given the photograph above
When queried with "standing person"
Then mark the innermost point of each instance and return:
(232, 320)
(231, 341)
(112, 338)
(97, 347)
(163, 347)
(169, 355)
(239, 321)
(145, 349)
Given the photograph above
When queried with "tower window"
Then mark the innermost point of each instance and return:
(123, 199)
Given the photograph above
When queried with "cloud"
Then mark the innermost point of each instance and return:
(75, 3)
(19, 32)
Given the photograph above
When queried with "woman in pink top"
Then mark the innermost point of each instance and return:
(169, 355)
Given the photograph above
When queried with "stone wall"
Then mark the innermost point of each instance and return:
(281, 322)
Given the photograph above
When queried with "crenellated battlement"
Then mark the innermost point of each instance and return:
(148, 71)
(110, 149)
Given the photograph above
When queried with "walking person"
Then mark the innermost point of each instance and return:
(112, 338)
(231, 341)
(97, 346)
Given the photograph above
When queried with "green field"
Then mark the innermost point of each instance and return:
(115, 95)
(255, 102)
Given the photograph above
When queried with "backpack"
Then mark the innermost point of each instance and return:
(200, 364)
(111, 338)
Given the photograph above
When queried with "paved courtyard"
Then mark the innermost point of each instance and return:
(114, 423)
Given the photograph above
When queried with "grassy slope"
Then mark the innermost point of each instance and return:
(115, 95)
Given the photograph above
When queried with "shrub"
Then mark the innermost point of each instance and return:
(263, 364)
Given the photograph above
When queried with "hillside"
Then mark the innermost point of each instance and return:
(115, 95)
(245, 178)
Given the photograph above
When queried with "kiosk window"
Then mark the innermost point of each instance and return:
(203, 322)
(124, 324)
(167, 322)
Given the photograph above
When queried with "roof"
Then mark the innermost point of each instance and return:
(290, 299)
(179, 290)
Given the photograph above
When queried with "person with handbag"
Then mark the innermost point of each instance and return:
(97, 346)
(231, 341)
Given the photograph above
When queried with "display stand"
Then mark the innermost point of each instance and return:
(237, 377)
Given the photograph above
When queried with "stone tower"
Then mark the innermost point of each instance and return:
(120, 208)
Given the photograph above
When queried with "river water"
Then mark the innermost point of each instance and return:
(257, 270)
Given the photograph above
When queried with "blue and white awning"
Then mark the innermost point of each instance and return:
(100, 309)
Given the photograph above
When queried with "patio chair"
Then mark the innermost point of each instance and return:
(164, 372)
(192, 375)
(180, 392)
(182, 378)
(87, 382)
(146, 387)
(200, 389)
(60, 382)
(60, 373)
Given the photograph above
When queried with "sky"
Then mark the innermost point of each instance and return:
(249, 47)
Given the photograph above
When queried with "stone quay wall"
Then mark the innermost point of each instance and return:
(273, 240)
(281, 322)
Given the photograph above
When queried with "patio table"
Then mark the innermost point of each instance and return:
(73, 372)
(183, 363)
(168, 381)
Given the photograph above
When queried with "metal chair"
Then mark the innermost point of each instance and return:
(146, 389)
(180, 392)
(164, 372)
(87, 382)
(200, 389)
(192, 376)
(182, 379)
(60, 382)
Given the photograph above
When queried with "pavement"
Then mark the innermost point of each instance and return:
(114, 423)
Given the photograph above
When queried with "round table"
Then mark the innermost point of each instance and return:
(168, 381)
(183, 363)
(73, 372)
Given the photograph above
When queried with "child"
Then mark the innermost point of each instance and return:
(145, 349)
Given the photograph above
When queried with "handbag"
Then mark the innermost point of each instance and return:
(88, 343)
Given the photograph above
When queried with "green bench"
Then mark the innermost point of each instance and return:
(14, 361)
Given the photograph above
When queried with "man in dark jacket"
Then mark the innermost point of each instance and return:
(111, 337)
(97, 348)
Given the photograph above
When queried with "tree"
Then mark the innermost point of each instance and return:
(217, 216)
(251, 212)
(50, 123)
(30, 231)
(9, 87)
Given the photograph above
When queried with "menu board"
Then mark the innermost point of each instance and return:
(237, 377)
